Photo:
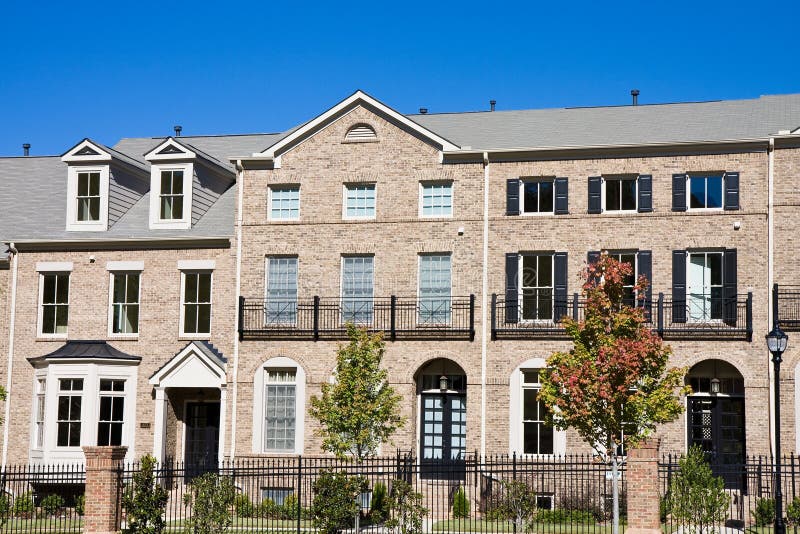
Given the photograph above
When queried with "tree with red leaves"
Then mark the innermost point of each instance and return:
(614, 384)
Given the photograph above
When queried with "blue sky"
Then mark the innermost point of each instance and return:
(114, 69)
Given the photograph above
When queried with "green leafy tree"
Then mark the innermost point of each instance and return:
(335, 507)
(144, 500)
(517, 504)
(695, 497)
(211, 497)
(360, 410)
(614, 383)
(460, 504)
(407, 509)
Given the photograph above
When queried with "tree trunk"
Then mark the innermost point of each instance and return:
(615, 494)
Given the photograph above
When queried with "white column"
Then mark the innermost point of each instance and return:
(223, 401)
(159, 425)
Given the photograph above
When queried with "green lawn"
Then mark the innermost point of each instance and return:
(480, 525)
(47, 524)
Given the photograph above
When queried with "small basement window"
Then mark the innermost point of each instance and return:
(360, 133)
(276, 495)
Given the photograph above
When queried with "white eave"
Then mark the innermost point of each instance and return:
(73, 155)
(175, 150)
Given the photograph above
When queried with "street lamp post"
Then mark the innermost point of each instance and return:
(776, 343)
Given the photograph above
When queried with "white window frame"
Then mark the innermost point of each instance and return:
(117, 394)
(71, 393)
(156, 222)
(341, 288)
(40, 314)
(620, 177)
(516, 434)
(706, 174)
(706, 253)
(260, 398)
(423, 184)
(267, 260)
(112, 276)
(39, 412)
(521, 291)
(199, 335)
(448, 314)
(73, 224)
(635, 253)
(536, 179)
(271, 189)
(345, 197)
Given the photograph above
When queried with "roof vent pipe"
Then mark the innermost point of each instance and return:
(178, 130)
(26, 149)
(492, 104)
(635, 95)
(423, 111)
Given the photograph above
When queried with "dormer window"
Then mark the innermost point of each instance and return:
(171, 197)
(88, 196)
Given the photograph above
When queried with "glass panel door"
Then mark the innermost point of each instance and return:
(704, 277)
(443, 436)
(202, 437)
(716, 424)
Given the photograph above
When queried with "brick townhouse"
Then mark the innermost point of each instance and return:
(195, 320)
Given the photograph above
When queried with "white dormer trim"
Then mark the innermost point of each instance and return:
(73, 224)
(74, 155)
(170, 150)
(355, 98)
(156, 222)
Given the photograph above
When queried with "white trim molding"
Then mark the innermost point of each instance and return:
(516, 435)
(259, 400)
(185, 222)
(175, 151)
(73, 224)
(93, 152)
(196, 265)
(125, 266)
(53, 266)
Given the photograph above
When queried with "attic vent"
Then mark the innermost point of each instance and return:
(361, 132)
(87, 151)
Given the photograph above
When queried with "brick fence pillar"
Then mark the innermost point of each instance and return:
(642, 489)
(103, 489)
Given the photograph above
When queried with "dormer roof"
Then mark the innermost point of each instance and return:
(89, 151)
(172, 149)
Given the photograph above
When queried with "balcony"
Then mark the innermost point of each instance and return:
(701, 317)
(320, 318)
(786, 306)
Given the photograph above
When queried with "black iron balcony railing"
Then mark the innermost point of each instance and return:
(786, 306)
(320, 318)
(697, 317)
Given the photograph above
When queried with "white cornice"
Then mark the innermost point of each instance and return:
(183, 151)
(71, 156)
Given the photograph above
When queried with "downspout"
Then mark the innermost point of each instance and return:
(484, 296)
(770, 277)
(235, 395)
(10, 366)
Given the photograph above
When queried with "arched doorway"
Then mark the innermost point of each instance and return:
(442, 393)
(715, 417)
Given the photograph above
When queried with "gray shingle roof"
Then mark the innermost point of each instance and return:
(91, 349)
(623, 125)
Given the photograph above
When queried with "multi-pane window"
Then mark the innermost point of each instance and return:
(280, 413)
(125, 303)
(437, 199)
(281, 304)
(284, 203)
(88, 197)
(434, 288)
(705, 286)
(41, 391)
(537, 196)
(55, 303)
(112, 409)
(705, 191)
(357, 289)
(629, 284)
(620, 193)
(359, 201)
(537, 437)
(536, 275)
(171, 195)
(197, 302)
(68, 424)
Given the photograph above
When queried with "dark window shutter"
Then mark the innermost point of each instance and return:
(678, 192)
(512, 196)
(644, 264)
(562, 203)
(512, 289)
(560, 285)
(732, 191)
(678, 286)
(730, 286)
(592, 256)
(645, 188)
(595, 188)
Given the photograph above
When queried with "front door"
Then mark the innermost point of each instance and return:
(202, 437)
(716, 424)
(443, 435)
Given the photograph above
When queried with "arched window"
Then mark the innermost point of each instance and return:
(361, 132)
(279, 392)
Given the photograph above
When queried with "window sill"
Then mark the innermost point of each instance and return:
(46, 337)
(193, 337)
(123, 337)
(424, 217)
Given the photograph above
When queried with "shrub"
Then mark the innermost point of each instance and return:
(695, 496)
(460, 504)
(334, 506)
(5, 506)
(379, 507)
(290, 507)
(584, 502)
(562, 515)
(243, 505)
(211, 497)
(52, 504)
(764, 514)
(793, 511)
(407, 507)
(516, 504)
(23, 506)
(144, 500)
(80, 505)
(268, 509)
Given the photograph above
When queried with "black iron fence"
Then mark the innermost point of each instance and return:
(700, 317)
(554, 494)
(786, 306)
(320, 318)
(45, 498)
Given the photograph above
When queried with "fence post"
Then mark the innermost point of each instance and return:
(750, 316)
(660, 325)
(393, 317)
(575, 307)
(494, 316)
(299, 490)
(241, 318)
(103, 489)
(316, 318)
(642, 489)
(472, 317)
